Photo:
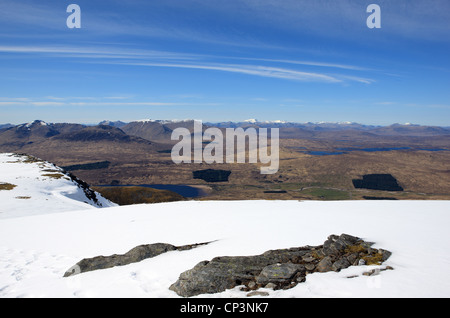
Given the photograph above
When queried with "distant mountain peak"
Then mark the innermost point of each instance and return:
(40, 122)
(163, 121)
(144, 121)
(3, 126)
(34, 124)
(117, 124)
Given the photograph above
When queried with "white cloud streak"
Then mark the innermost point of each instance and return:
(89, 102)
(263, 71)
(311, 63)
(96, 52)
(151, 58)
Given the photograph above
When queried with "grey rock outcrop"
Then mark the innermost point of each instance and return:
(280, 269)
(135, 255)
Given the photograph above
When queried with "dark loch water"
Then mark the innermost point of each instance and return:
(184, 190)
(342, 151)
(323, 153)
(375, 149)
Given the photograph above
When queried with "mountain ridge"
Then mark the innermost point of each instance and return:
(160, 131)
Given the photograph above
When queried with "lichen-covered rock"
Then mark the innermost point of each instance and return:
(283, 268)
(336, 245)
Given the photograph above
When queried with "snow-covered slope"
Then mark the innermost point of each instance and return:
(35, 251)
(32, 186)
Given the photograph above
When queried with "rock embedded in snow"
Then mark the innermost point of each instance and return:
(257, 293)
(135, 255)
(280, 269)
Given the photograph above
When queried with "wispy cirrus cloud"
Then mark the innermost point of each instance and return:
(92, 101)
(61, 104)
(95, 52)
(14, 99)
(46, 103)
(242, 19)
(268, 68)
(256, 70)
(345, 18)
(122, 104)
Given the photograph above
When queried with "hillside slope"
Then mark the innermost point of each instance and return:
(30, 186)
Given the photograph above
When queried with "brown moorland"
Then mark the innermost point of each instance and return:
(418, 158)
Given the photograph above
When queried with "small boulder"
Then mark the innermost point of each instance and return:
(279, 273)
(258, 293)
(336, 245)
(340, 264)
(325, 265)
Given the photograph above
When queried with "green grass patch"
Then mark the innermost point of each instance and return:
(290, 186)
(326, 194)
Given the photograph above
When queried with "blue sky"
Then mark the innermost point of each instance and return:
(216, 60)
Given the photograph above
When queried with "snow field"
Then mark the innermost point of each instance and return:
(37, 250)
